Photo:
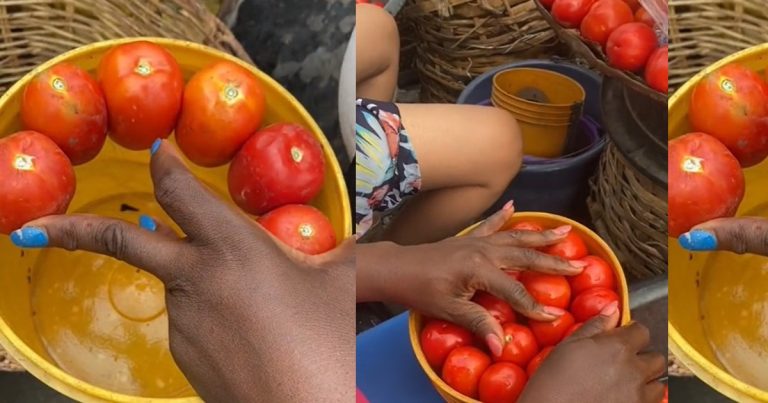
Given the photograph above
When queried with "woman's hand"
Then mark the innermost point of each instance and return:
(439, 279)
(739, 235)
(600, 363)
(249, 320)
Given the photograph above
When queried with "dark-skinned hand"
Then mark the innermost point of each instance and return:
(739, 235)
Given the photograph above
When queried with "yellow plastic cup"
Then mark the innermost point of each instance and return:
(595, 245)
(17, 331)
(536, 111)
(689, 274)
(541, 138)
(552, 90)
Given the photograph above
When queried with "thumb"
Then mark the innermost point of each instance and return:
(475, 318)
(606, 320)
(739, 235)
(494, 223)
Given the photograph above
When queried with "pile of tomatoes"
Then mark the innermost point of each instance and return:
(139, 95)
(729, 117)
(467, 366)
(622, 29)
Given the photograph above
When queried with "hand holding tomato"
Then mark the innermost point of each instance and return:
(738, 235)
(599, 363)
(229, 289)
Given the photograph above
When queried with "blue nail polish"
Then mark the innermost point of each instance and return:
(155, 146)
(29, 237)
(698, 240)
(147, 223)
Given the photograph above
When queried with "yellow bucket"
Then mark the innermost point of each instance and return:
(541, 138)
(117, 172)
(554, 117)
(719, 276)
(595, 245)
(539, 89)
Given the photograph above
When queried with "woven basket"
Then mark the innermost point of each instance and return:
(33, 31)
(458, 40)
(704, 31)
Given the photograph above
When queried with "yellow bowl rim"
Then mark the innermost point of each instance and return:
(33, 362)
(495, 86)
(693, 360)
(625, 311)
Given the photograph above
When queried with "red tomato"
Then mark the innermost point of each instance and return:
(519, 344)
(547, 289)
(37, 179)
(642, 16)
(590, 302)
(301, 227)
(527, 226)
(551, 333)
(657, 70)
(604, 17)
(569, 13)
(502, 382)
(570, 248)
(633, 4)
(281, 164)
(732, 105)
(535, 363)
(630, 45)
(572, 329)
(597, 273)
(497, 307)
(665, 399)
(705, 182)
(439, 338)
(223, 106)
(463, 368)
(143, 86)
(547, 3)
(66, 104)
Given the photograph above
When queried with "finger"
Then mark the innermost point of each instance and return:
(477, 320)
(530, 239)
(189, 203)
(606, 320)
(653, 364)
(150, 251)
(154, 225)
(494, 222)
(654, 392)
(506, 256)
(500, 284)
(739, 235)
(635, 335)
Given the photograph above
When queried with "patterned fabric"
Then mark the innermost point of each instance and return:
(387, 168)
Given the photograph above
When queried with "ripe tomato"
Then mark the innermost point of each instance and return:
(223, 106)
(535, 363)
(66, 104)
(657, 70)
(665, 399)
(572, 329)
(36, 179)
(551, 333)
(497, 307)
(597, 273)
(527, 226)
(630, 45)
(732, 105)
(301, 227)
(603, 18)
(705, 182)
(463, 368)
(438, 338)
(570, 248)
(502, 382)
(143, 86)
(642, 16)
(633, 4)
(280, 164)
(590, 302)
(519, 344)
(569, 13)
(547, 289)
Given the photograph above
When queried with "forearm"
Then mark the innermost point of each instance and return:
(376, 266)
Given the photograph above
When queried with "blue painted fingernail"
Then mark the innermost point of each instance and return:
(29, 237)
(698, 240)
(147, 223)
(155, 146)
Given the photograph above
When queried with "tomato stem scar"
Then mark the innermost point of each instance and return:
(306, 231)
(296, 154)
(230, 94)
(24, 162)
(58, 84)
(692, 164)
(727, 85)
(143, 68)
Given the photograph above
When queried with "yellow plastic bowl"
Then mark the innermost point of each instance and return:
(541, 138)
(532, 117)
(554, 91)
(689, 273)
(17, 331)
(595, 245)
(536, 112)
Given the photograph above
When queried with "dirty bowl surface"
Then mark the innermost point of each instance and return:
(102, 292)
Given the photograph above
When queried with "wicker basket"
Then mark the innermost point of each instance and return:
(33, 31)
(704, 31)
(460, 39)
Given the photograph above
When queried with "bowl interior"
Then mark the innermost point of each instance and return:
(117, 183)
(706, 291)
(539, 87)
(595, 245)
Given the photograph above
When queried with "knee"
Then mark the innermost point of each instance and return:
(506, 155)
(376, 19)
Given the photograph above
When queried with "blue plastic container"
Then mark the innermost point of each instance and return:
(561, 185)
